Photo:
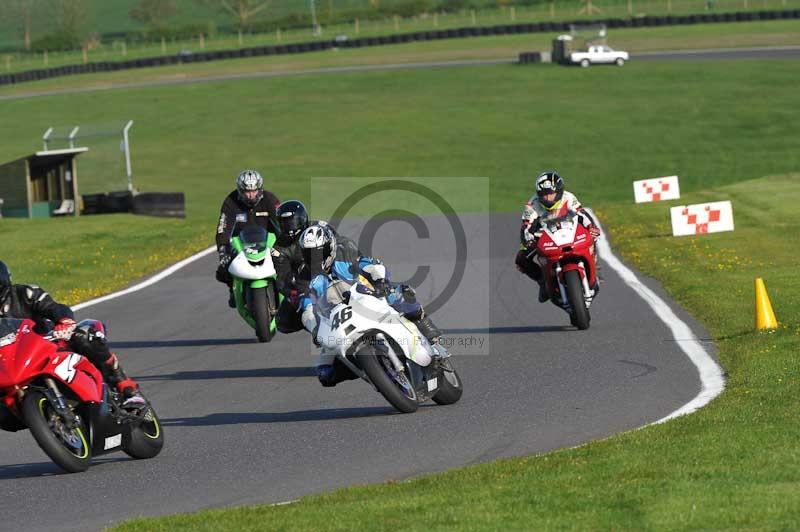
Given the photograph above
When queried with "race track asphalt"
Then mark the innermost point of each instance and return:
(249, 423)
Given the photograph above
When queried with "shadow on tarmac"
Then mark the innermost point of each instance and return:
(235, 418)
(307, 371)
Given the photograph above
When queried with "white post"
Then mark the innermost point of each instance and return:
(436, 18)
(46, 138)
(314, 23)
(46, 59)
(8, 62)
(513, 14)
(72, 135)
(163, 45)
(202, 42)
(552, 9)
(474, 20)
(127, 149)
(396, 23)
(356, 28)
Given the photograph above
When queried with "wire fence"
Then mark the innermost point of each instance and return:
(102, 168)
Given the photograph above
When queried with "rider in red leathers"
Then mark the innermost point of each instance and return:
(550, 201)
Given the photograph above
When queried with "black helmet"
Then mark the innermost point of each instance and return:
(549, 182)
(5, 276)
(293, 218)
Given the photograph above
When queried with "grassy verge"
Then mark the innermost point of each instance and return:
(733, 465)
(772, 33)
(503, 122)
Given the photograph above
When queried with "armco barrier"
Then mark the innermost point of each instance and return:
(167, 204)
(455, 33)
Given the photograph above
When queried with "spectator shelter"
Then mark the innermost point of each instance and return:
(40, 185)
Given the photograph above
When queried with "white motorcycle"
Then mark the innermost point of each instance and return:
(379, 345)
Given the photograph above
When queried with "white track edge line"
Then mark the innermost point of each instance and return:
(712, 379)
(151, 281)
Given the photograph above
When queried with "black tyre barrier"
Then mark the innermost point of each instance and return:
(530, 57)
(167, 204)
(473, 31)
(91, 203)
(113, 202)
(118, 201)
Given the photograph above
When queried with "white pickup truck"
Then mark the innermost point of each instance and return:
(600, 54)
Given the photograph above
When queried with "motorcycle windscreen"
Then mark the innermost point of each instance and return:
(253, 239)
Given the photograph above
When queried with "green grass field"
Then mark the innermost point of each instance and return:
(728, 128)
(708, 121)
(772, 33)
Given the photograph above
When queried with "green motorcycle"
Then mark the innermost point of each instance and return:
(257, 298)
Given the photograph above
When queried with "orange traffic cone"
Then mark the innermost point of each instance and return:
(765, 317)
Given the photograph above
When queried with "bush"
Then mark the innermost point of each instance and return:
(409, 8)
(57, 41)
(190, 31)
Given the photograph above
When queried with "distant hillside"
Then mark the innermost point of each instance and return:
(111, 16)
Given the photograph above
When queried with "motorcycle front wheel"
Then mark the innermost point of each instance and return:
(393, 386)
(67, 447)
(580, 314)
(261, 315)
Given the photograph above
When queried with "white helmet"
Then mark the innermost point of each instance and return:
(250, 181)
(318, 245)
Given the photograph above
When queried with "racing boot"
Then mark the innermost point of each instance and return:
(428, 329)
(231, 298)
(542, 292)
(126, 386)
(330, 375)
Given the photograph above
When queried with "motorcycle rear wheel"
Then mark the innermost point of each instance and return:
(580, 314)
(368, 360)
(47, 427)
(143, 440)
(451, 388)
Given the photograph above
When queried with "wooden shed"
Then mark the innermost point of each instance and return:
(41, 185)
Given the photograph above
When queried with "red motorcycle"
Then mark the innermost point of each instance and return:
(567, 254)
(61, 397)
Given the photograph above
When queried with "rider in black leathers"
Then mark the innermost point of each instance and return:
(249, 204)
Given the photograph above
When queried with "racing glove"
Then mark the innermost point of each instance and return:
(594, 231)
(64, 329)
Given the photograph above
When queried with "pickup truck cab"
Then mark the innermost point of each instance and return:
(600, 54)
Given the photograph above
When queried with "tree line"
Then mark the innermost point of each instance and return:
(67, 21)
(64, 24)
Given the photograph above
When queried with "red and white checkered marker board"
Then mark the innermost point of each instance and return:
(656, 189)
(702, 218)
